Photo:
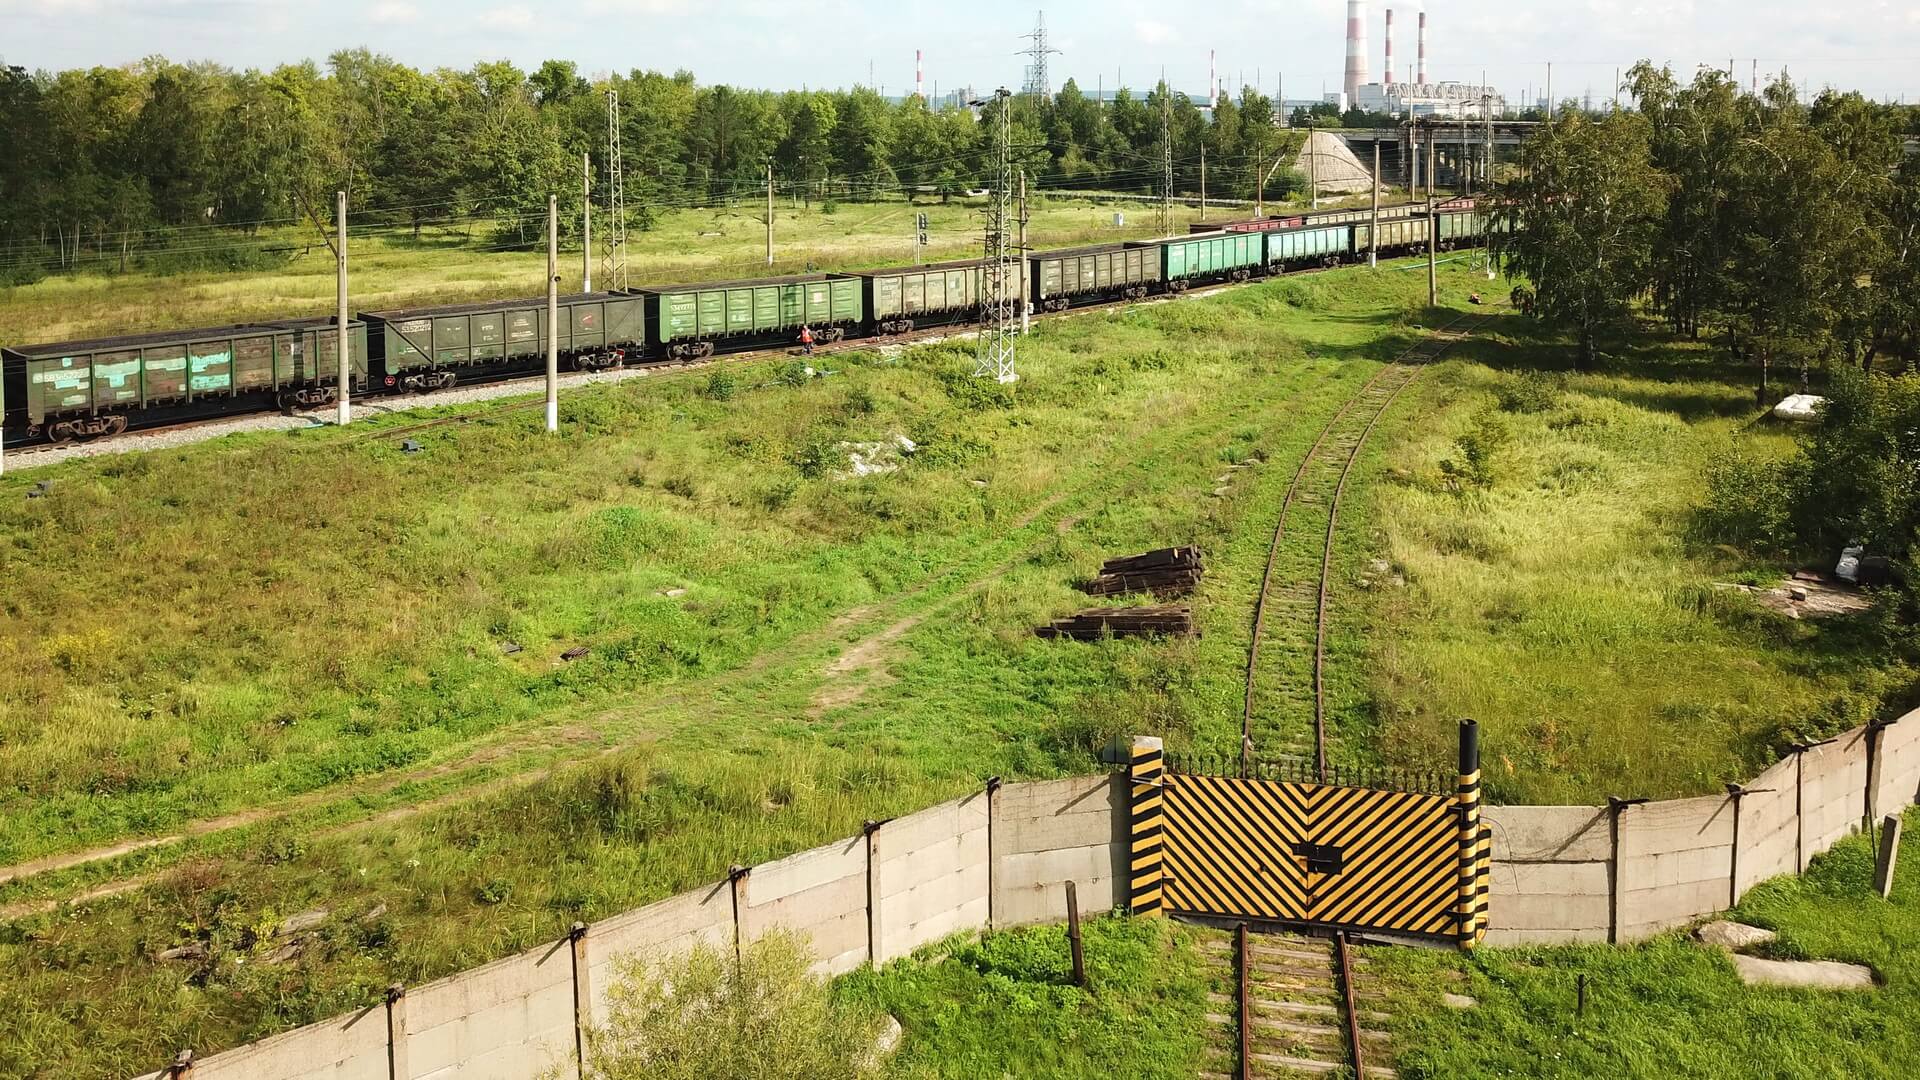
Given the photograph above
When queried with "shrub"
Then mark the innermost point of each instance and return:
(1479, 452)
(815, 457)
(721, 386)
(794, 373)
(495, 891)
(700, 1015)
(860, 401)
(1530, 392)
(1749, 503)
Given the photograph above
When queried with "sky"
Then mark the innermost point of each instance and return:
(1868, 45)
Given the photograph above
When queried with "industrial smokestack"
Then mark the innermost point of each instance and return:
(919, 77)
(1421, 77)
(1356, 49)
(1213, 83)
(1388, 76)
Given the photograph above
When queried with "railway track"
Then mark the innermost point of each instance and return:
(1284, 710)
(1285, 1005)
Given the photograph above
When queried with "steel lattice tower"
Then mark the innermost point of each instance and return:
(1000, 273)
(614, 269)
(1165, 217)
(1037, 85)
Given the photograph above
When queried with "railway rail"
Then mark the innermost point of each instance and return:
(1319, 482)
(1287, 1005)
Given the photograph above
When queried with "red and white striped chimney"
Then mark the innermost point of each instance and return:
(1388, 77)
(1356, 49)
(1421, 78)
(1213, 83)
(919, 77)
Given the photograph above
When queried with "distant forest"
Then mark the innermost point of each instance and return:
(179, 166)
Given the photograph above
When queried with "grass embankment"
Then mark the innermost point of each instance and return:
(318, 624)
(1566, 604)
(1674, 1008)
(389, 268)
(1006, 1005)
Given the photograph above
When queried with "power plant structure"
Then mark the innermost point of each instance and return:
(1356, 51)
(1418, 97)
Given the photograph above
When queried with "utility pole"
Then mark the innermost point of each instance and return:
(586, 223)
(1433, 237)
(1166, 159)
(1549, 90)
(1203, 180)
(994, 346)
(1026, 318)
(769, 211)
(616, 199)
(1373, 233)
(1313, 168)
(343, 346)
(553, 313)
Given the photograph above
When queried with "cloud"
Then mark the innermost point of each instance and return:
(1150, 32)
(394, 13)
(507, 18)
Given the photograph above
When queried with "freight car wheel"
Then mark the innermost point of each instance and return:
(61, 433)
(115, 425)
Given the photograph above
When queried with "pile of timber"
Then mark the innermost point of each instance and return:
(1170, 571)
(1174, 620)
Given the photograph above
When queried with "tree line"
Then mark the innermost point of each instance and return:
(168, 163)
(1788, 230)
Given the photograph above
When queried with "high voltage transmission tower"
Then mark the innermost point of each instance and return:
(615, 269)
(1165, 222)
(1037, 85)
(1000, 284)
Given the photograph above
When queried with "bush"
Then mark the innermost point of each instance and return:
(815, 458)
(1531, 392)
(1479, 451)
(1749, 503)
(794, 373)
(701, 1016)
(721, 386)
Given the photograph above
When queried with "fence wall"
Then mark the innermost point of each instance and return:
(1002, 857)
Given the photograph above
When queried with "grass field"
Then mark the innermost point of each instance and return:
(389, 268)
(338, 669)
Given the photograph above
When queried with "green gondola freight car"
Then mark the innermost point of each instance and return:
(1395, 236)
(1460, 228)
(423, 348)
(688, 320)
(1309, 247)
(85, 389)
(1058, 278)
(1216, 257)
(895, 299)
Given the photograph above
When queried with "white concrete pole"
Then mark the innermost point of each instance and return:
(586, 223)
(1373, 233)
(553, 313)
(769, 213)
(344, 345)
(1026, 317)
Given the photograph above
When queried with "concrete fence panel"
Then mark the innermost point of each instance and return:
(1050, 832)
(1552, 866)
(703, 916)
(1674, 863)
(505, 1021)
(821, 893)
(1833, 792)
(348, 1047)
(1769, 826)
(929, 876)
(1896, 781)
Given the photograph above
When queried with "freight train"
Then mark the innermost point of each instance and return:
(71, 390)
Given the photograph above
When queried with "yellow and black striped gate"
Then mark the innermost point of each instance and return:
(1376, 850)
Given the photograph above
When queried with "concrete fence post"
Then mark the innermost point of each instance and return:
(1800, 809)
(1886, 856)
(1615, 808)
(871, 830)
(397, 1068)
(1876, 737)
(582, 996)
(993, 852)
(736, 885)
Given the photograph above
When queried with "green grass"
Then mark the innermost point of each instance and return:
(1567, 606)
(335, 655)
(1671, 1008)
(1006, 1005)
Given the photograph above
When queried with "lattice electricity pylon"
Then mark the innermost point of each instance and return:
(1037, 85)
(614, 267)
(1000, 271)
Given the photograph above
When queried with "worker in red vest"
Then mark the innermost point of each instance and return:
(806, 340)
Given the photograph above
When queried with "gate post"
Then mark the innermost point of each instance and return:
(1466, 911)
(1146, 832)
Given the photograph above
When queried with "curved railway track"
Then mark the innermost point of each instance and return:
(1301, 598)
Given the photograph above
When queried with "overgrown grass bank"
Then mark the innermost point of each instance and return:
(1672, 1008)
(1562, 596)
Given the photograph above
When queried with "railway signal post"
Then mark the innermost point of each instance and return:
(586, 223)
(553, 313)
(342, 346)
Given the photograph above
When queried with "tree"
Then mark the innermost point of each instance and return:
(1583, 217)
